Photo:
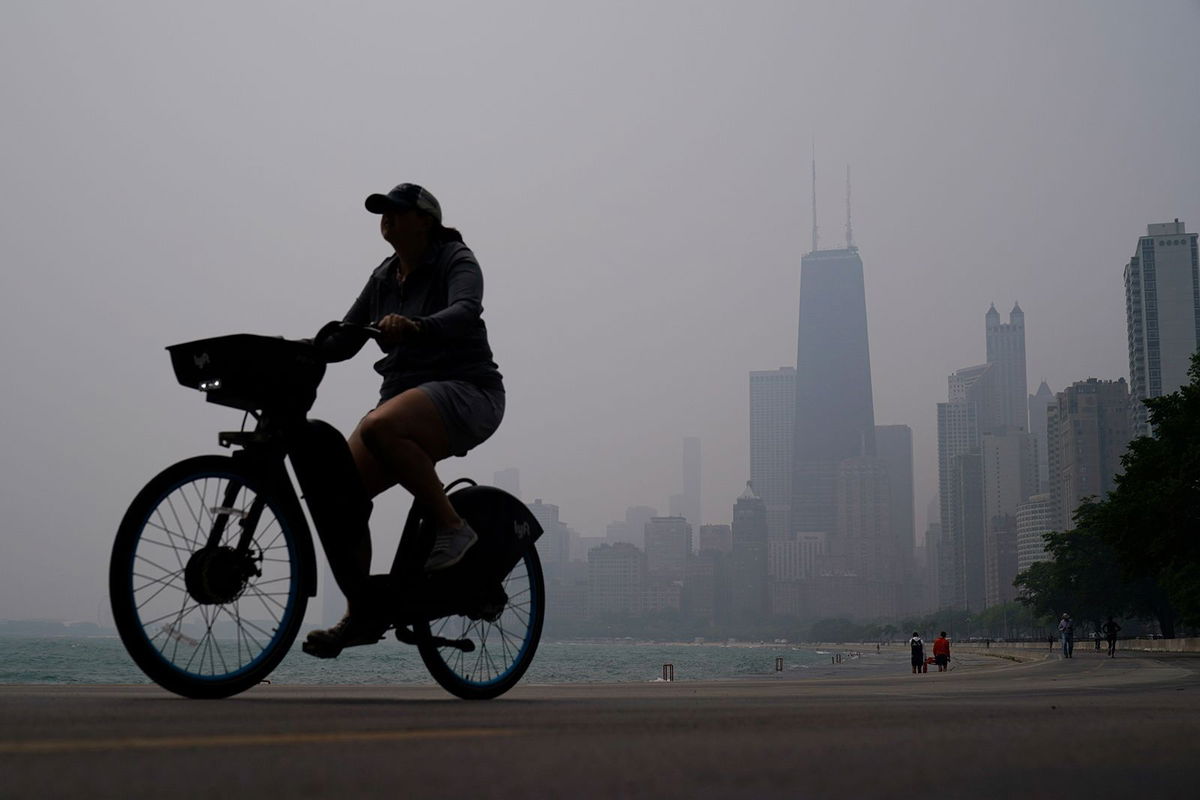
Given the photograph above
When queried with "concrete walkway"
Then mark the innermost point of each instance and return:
(990, 728)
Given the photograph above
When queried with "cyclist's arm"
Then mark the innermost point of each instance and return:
(464, 295)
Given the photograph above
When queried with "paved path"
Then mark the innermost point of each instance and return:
(991, 728)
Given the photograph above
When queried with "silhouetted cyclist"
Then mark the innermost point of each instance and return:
(442, 393)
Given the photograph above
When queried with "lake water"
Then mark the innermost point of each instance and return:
(103, 659)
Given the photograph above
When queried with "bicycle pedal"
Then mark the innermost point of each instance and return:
(405, 635)
(318, 651)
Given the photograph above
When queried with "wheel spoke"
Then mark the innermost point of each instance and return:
(167, 583)
(261, 596)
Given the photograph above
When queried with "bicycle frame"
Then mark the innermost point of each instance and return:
(268, 464)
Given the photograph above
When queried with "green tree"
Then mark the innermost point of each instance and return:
(1152, 518)
(1083, 576)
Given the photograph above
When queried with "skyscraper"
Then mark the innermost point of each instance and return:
(865, 545)
(1006, 352)
(1162, 314)
(1089, 430)
(750, 590)
(958, 437)
(616, 579)
(835, 416)
(554, 546)
(668, 547)
(772, 444)
(1039, 404)
(893, 445)
(1009, 459)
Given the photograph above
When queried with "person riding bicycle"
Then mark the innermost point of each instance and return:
(442, 393)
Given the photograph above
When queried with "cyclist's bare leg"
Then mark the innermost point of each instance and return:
(399, 442)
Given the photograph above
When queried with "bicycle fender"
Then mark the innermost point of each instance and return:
(506, 528)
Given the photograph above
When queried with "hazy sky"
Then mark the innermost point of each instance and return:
(634, 177)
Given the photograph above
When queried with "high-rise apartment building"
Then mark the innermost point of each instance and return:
(1039, 405)
(864, 545)
(616, 579)
(834, 417)
(1162, 314)
(554, 545)
(1009, 461)
(1035, 518)
(1089, 429)
(749, 590)
(1000, 560)
(668, 547)
(958, 419)
(772, 444)
(893, 446)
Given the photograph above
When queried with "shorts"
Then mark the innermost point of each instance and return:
(471, 414)
(918, 661)
(941, 659)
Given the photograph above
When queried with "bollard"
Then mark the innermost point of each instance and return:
(779, 663)
(668, 672)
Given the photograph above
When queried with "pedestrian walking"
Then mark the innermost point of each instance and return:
(941, 652)
(1066, 634)
(1110, 633)
(918, 653)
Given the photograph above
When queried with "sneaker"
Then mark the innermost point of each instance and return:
(348, 632)
(450, 546)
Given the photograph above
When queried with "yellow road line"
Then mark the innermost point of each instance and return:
(239, 740)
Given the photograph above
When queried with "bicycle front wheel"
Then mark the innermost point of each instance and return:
(205, 578)
(502, 648)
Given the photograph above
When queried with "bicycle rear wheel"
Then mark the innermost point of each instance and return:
(200, 614)
(503, 648)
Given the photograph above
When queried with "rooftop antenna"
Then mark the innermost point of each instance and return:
(849, 229)
(814, 194)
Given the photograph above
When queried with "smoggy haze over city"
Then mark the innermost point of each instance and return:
(635, 180)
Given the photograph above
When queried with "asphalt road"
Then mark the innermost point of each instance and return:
(1089, 726)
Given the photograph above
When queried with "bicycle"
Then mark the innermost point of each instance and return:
(213, 564)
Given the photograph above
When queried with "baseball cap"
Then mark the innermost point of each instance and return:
(405, 196)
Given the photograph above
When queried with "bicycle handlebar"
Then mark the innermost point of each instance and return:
(339, 341)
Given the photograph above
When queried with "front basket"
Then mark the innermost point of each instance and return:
(250, 372)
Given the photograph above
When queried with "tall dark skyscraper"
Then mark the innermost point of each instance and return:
(835, 415)
(750, 591)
